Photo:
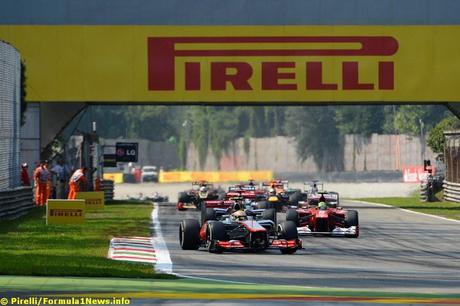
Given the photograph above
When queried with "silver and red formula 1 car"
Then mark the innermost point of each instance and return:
(238, 230)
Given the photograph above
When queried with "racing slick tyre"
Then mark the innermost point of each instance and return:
(214, 232)
(288, 230)
(351, 219)
(269, 214)
(189, 234)
(210, 214)
(295, 198)
(183, 197)
(293, 215)
(263, 205)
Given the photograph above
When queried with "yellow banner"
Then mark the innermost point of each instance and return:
(93, 199)
(65, 212)
(239, 63)
(117, 178)
(214, 176)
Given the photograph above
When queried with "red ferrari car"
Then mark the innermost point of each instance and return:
(327, 220)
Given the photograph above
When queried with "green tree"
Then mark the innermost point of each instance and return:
(410, 118)
(316, 134)
(359, 120)
(436, 139)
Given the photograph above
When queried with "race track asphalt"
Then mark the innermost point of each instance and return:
(397, 251)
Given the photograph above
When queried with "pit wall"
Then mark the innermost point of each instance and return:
(374, 153)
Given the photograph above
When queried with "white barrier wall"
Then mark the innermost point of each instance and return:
(10, 80)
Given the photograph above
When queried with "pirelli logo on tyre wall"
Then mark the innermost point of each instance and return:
(244, 64)
(290, 55)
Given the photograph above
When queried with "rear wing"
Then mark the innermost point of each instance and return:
(218, 203)
(197, 184)
(310, 186)
(275, 183)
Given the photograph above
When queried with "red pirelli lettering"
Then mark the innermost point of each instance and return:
(162, 52)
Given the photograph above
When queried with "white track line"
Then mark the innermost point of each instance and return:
(164, 263)
(407, 210)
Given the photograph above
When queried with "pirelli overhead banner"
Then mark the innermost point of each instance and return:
(239, 63)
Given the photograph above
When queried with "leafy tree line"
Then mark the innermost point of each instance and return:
(318, 130)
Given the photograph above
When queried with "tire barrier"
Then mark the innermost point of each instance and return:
(451, 191)
(429, 187)
(16, 202)
(107, 187)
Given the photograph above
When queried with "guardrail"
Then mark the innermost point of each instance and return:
(451, 191)
(16, 202)
(107, 187)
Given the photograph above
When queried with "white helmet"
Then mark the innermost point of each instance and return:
(239, 215)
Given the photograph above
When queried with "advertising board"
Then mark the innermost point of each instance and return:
(246, 64)
(65, 211)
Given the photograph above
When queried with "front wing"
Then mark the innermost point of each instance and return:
(185, 206)
(337, 232)
(276, 244)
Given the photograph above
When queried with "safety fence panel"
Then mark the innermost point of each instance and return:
(10, 79)
(15, 202)
(451, 191)
(452, 156)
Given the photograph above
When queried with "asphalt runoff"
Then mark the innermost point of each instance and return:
(397, 251)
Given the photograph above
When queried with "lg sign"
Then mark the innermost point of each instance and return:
(126, 151)
(307, 56)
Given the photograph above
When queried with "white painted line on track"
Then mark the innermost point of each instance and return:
(407, 210)
(212, 279)
(164, 263)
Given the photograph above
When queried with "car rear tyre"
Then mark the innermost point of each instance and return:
(269, 214)
(351, 219)
(189, 234)
(210, 214)
(215, 232)
(295, 198)
(183, 197)
(293, 215)
(263, 205)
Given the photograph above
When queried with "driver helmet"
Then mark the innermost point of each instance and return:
(272, 191)
(239, 215)
(322, 205)
(203, 189)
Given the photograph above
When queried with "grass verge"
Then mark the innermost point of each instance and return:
(440, 208)
(30, 247)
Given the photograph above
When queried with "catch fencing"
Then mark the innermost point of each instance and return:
(10, 95)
